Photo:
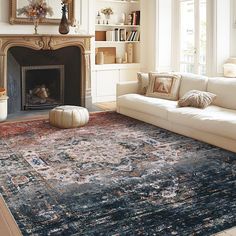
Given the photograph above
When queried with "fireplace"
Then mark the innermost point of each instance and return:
(22, 55)
(42, 86)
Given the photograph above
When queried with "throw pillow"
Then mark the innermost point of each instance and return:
(142, 82)
(196, 98)
(164, 85)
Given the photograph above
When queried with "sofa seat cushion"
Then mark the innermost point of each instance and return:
(154, 106)
(213, 119)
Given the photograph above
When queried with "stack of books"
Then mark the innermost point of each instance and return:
(135, 18)
(122, 35)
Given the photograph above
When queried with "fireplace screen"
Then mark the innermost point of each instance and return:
(42, 86)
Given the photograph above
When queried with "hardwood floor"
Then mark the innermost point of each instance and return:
(8, 226)
(106, 106)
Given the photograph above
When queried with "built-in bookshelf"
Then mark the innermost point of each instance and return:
(117, 39)
(121, 29)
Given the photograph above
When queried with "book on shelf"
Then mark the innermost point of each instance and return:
(117, 34)
(133, 35)
(110, 35)
(128, 36)
(137, 36)
(122, 34)
(135, 18)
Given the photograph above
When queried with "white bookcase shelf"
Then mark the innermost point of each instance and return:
(119, 1)
(117, 66)
(104, 43)
(116, 26)
(106, 76)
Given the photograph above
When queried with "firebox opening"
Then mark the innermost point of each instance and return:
(42, 86)
(74, 78)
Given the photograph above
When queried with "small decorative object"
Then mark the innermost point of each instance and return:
(123, 19)
(129, 19)
(75, 25)
(36, 11)
(3, 107)
(130, 53)
(107, 12)
(125, 60)
(2, 91)
(100, 58)
(118, 60)
(64, 25)
(99, 17)
(229, 70)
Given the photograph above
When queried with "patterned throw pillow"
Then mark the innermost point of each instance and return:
(164, 85)
(196, 98)
(142, 82)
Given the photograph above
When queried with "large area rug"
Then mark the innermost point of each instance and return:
(114, 176)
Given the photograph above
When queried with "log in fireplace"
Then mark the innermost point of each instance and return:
(42, 86)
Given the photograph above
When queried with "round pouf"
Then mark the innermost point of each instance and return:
(68, 116)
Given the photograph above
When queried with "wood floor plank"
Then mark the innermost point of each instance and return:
(8, 226)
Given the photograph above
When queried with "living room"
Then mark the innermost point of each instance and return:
(117, 117)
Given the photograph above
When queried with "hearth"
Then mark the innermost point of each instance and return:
(42, 86)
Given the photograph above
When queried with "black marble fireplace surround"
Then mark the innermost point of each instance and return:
(19, 57)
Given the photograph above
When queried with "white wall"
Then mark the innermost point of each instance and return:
(156, 35)
(164, 41)
(148, 35)
(233, 29)
(222, 35)
(81, 14)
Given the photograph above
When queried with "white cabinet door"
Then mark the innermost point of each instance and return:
(106, 81)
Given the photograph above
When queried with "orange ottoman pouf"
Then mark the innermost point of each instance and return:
(68, 116)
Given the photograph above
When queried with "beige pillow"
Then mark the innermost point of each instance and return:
(164, 85)
(142, 82)
(196, 98)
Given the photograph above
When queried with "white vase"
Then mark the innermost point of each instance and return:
(123, 18)
(99, 58)
(108, 17)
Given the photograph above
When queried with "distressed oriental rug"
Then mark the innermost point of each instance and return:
(114, 176)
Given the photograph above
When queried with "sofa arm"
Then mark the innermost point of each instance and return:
(126, 88)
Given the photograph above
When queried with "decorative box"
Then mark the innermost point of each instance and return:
(229, 70)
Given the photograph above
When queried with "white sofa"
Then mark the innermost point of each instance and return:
(215, 124)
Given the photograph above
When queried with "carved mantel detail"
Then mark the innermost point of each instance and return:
(47, 42)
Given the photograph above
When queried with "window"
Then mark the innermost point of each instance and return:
(193, 36)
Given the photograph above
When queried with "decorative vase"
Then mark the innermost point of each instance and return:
(107, 18)
(130, 53)
(99, 58)
(123, 19)
(99, 17)
(64, 25)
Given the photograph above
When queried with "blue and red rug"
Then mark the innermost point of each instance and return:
(114, 176)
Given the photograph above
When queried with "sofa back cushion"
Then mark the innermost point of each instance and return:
(225, 90)
(192, 82)
(163, 85)
(143, 80)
